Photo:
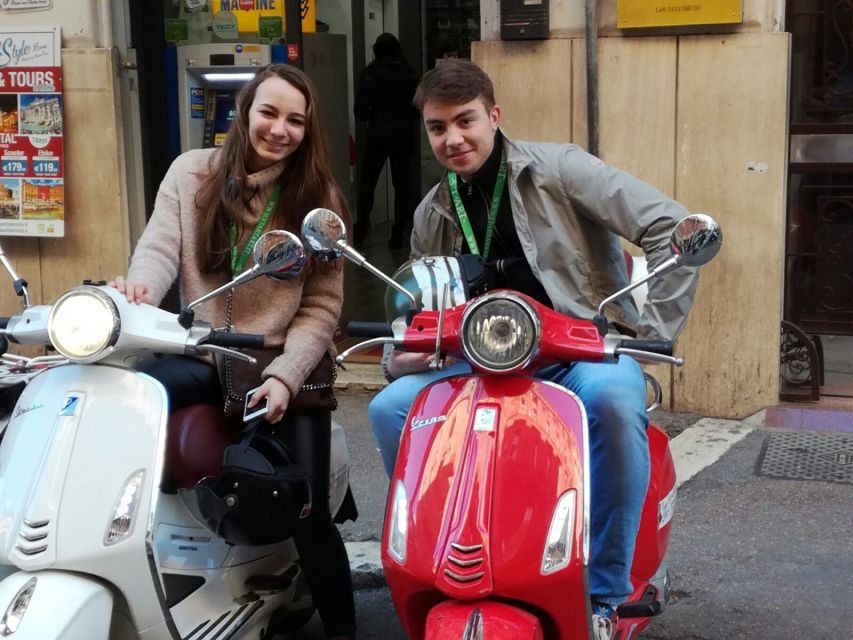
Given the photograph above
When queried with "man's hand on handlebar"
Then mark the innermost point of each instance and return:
(134, 291)
(402, 363)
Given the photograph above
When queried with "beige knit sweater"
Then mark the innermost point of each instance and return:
(300, 314)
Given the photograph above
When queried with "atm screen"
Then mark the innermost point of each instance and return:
(226, 109)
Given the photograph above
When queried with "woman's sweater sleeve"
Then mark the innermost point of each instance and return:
(157, 257)
(311, 331)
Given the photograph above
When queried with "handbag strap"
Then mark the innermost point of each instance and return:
(229, 394)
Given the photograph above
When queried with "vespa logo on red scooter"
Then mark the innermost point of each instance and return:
(425, 422)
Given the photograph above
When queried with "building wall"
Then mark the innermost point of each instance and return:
(96, 244)
(704, 119)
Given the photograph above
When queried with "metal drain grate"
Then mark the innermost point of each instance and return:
(808, 456)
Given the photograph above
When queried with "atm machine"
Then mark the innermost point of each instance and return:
(209, 75)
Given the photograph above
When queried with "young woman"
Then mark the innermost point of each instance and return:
(270, 172)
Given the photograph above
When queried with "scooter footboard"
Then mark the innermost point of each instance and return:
(481, 619)
(53, 605)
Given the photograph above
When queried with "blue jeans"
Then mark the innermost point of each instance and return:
(614, 395)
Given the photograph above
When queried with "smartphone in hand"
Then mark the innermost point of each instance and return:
(250, 413)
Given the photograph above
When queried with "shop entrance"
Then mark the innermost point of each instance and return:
(817, 332)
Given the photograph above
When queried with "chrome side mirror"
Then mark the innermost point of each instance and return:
(279, 255)
(325, 232)
(696, 240)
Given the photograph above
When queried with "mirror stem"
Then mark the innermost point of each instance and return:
(666, 267)
(248, 274)
(361, 261)
(20, 283)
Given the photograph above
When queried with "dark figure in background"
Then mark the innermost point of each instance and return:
(384, 100)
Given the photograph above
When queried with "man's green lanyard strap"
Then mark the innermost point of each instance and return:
(237, 263)
(493, 210)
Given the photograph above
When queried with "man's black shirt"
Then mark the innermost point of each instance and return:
(507, 265)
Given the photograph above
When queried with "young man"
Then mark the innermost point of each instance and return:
(544, 218)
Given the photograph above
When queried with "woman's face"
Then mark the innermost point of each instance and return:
(276, 123)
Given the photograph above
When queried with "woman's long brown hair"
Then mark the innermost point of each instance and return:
(306, 181)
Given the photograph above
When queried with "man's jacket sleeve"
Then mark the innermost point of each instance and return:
(645, 217)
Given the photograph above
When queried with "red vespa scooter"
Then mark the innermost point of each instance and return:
(487, 525)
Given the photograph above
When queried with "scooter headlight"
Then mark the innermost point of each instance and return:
(83, 323)
(399, 527)
(500, 333)
(558, 544)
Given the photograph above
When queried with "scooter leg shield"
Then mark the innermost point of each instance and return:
(481, 619)
(53, 605)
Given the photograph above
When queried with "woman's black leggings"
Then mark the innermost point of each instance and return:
(308, 438)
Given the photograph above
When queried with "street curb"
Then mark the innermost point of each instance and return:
(365, 565)
(702, 444)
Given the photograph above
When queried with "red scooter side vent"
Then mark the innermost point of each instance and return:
(462, 566)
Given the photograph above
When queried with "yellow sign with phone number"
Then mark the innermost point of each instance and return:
(249, 12)
(632, 14)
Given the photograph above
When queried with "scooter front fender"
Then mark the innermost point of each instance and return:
(62, 606)
(453, 620)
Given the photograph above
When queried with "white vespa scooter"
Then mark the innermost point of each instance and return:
(92, 547)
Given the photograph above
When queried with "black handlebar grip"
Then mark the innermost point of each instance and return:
(663, 347)
(236, 340)
(358, 329)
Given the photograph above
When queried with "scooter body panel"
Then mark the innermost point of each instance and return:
(476, 511)
(63, 606)
(96, 426)
(658, 509)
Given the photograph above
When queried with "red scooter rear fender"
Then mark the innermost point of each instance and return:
(483, 461)
(493, 620)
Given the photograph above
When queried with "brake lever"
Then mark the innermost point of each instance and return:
(225, 351)
(437, 363)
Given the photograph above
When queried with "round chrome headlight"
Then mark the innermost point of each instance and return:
(500, 332)
(83, 323)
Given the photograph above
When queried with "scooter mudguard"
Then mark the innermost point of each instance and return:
(62, 606)
(490, 619)
(476, 515)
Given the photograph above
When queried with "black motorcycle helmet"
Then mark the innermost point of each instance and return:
(259, 496)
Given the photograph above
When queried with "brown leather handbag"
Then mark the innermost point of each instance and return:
(238, 377)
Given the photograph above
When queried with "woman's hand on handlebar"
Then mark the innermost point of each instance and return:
(279, 398)
(134, 291)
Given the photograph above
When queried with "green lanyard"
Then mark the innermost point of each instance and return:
(237, 263)
(493, 210)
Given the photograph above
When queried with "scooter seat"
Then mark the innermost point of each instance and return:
(196, 438)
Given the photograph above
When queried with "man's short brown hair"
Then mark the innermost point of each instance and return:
(455, 81)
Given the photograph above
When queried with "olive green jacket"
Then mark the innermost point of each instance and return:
(569, 207)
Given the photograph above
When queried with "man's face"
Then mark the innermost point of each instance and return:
(462, 136)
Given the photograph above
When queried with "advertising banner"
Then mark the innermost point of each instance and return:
(32, 189)
(249, 13)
